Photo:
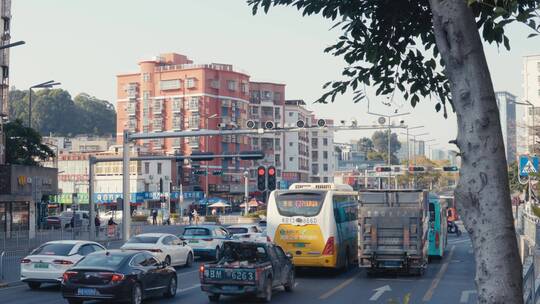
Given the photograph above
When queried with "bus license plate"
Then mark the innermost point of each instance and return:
(300, 245)
(86, 292)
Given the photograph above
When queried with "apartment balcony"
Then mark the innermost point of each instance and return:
(131, 109)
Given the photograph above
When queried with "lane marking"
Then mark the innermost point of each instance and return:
(465, 295)
(190, 288)
(337, 288)
(438, 277)
(458, 241)
(399, 280)
(379, 292)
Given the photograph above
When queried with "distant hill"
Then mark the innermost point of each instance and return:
(55, 111)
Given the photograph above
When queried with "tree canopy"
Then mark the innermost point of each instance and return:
(55, 111)
(24, 146)
(391, 46)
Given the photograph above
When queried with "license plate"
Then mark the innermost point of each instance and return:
(193, 241)
(41, 265)
(299, 245)
(86, 292)
(392, 263)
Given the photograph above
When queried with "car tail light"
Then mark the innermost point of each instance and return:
(201, 272)
(208, 240)
(155, 250)
(258, 272)
(437, 240)
(68, 274)
(329, 247)
(26, 261)
(62, 262)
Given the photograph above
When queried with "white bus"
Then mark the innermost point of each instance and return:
(317, 223)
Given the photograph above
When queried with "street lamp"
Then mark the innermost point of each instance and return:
(9, 45)
(45, 85)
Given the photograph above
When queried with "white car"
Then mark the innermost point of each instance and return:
(105, 216)
(247, 232)
(48, 262)
(166, 247)
(206, 240)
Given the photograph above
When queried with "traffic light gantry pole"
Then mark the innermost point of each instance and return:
(129, 137)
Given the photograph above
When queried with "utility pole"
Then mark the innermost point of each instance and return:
(246, 191)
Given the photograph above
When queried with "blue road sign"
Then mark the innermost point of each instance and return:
(527, 165)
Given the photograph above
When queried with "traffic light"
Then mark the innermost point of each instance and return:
(271, 178)
(261, 178)
(417, 169)
(450, 168)
(383, 169)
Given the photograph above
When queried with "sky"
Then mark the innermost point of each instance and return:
(84, 44)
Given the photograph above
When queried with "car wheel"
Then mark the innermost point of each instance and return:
(136, 294)
(171, 289)
(75, 301)
(189, 260)
(213, 297)
(289, 286)
(34, 285)
(168, 260)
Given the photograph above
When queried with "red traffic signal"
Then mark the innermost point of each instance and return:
(261, 171)
(261, 178)
(271, 178)
(383, 169)
(271, 171)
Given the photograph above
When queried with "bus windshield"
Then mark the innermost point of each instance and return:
(300, 203)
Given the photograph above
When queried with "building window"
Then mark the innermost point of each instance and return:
(194, 121)
(214, 84)
(325, 155)
(194, 104)
(255, 141)
(290, 159)
(146, 168)
(146, 95)
(191, 83)
(290, 144)
(231, 85)
(146, 77)
(172, 84)
(277, 96)
(314, 155)
(159, 168)
(325, 167)
(290, 114)
(254, 110)
(245, 87)
(325, 141)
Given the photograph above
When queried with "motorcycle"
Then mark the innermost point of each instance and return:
(453, 228)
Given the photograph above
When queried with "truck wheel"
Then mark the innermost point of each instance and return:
(289, 286)
(213, 298)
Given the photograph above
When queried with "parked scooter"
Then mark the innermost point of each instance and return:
(453, 228)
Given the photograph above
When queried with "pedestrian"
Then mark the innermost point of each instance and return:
(111, 227)
(97, 223)
(154, 216)
(196, 216)
(214, 212)
(190, 215)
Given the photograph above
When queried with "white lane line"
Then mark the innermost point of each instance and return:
(438, 277)
(337, 288)
(458, 241)
(189, 288)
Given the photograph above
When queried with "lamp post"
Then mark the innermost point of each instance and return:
(44, 85)
(414, 136)
(206, 140)
(246, 192)
(408, 144)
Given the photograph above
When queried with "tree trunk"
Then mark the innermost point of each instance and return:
(482, 194)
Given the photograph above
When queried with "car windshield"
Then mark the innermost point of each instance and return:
(237, 230)
(143, 239)
(300, 203)
(196, 232)
(102, 260)
(53, 249)
(66, 214)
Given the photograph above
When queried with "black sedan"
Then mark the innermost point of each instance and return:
(118, 275)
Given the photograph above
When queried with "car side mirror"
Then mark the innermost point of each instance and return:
(184, 243)
(289, 255)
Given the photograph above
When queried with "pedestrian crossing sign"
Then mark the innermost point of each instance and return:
(527, 165)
